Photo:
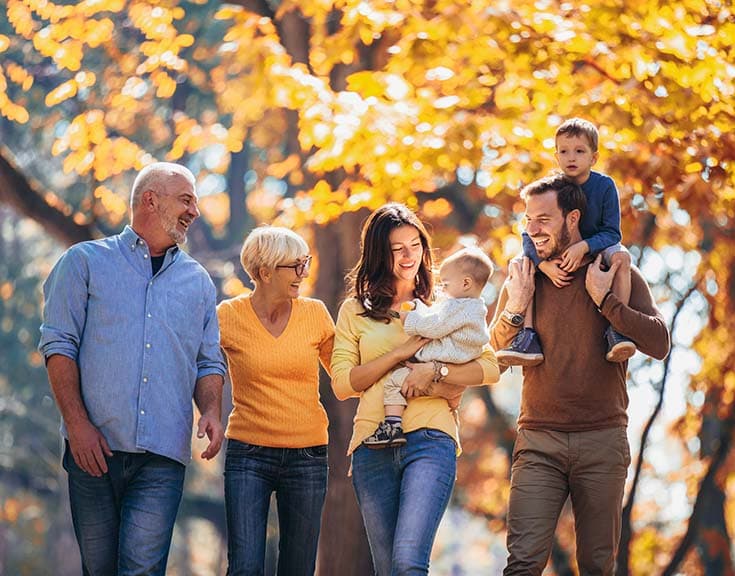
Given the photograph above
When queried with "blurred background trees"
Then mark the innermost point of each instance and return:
(309, 113)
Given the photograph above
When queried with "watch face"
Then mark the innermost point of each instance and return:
(443, 370)
(516, 320)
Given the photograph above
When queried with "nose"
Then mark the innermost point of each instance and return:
(531, 228)
(193, 210)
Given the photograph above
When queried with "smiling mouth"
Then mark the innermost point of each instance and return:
(185, 223)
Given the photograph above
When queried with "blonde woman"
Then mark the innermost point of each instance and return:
(274, 341)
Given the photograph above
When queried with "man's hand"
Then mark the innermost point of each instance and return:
(419, 380)
(213, 429)
(88, 447)
(519, 285)
(558, 277)
(572, 256)
(598, 282)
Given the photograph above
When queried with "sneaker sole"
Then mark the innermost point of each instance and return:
(514, 359)
(384, 445)
(620, 352)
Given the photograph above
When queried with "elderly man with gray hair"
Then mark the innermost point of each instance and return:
(130, 336)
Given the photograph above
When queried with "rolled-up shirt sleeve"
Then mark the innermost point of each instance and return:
(346, 353)
(209, 358)
(65, 311)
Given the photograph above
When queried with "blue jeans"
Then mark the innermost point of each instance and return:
(298, 476)
(403, 493)
(124, 519)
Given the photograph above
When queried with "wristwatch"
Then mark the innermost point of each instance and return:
(513, 318)
(440, 371)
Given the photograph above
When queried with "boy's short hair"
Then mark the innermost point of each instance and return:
(569, 194)
(473, 262)
(579, 127)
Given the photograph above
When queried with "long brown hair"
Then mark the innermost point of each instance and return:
(371, 280)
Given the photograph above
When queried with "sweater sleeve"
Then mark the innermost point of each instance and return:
(489, 364)
(502, 332)
(326, 346)
(608, 232)
(438, 321)
(530, 250)
(641, 320)
(346, 352)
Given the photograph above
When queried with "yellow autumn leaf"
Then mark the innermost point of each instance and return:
(4, 43)
(62, 92)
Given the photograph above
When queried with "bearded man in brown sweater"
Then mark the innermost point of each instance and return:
(572, 425)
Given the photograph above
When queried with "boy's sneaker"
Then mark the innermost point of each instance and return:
(525, 350)
(619, 347)
(385, 436)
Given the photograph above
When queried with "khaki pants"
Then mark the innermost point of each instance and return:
(392, 387)
(548, 466)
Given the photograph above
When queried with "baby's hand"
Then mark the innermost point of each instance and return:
(557, 276)
(405, 308)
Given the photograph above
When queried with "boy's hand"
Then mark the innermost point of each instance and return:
(558, 277)
(572, 256)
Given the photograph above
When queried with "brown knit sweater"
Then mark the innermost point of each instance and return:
(575, 388)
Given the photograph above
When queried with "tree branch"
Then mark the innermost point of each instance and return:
(29, 199)
(623, 560)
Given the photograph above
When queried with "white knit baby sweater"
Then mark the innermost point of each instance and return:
(457, 327)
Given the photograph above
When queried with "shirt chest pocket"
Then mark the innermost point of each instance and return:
(184, 312)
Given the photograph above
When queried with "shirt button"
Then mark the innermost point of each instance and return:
(150, 283)
(145, 255)
(149, 314)
(145, 379)
(148, 345)
(142, 412)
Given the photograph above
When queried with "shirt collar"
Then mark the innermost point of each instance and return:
(133, 241)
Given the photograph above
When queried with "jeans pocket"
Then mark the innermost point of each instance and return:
(237, 448)
(315, 452)
(432, 434)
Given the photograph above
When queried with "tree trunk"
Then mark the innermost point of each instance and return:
(343, 547)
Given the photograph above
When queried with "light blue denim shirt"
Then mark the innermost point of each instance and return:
(141, 341)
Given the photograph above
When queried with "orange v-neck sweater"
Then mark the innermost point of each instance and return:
(275, 381)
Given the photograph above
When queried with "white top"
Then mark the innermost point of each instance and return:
(457, 327)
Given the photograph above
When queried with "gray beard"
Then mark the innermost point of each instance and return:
(169, 223)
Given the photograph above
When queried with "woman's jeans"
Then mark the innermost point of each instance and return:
(124, 519)
(403, 493)
(299, 478)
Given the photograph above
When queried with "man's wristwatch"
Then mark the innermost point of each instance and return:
(440, 371)
(514, 319)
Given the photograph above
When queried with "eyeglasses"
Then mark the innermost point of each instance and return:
(301, 268)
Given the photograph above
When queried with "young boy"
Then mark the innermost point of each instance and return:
(457, 325)
(576, 153)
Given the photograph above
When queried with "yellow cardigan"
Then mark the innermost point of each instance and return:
(275, 381)
(359, 340)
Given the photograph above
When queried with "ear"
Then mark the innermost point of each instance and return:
(466, 282)
(265, 274)
(573, 217)
(149, 199)
(595, 156)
